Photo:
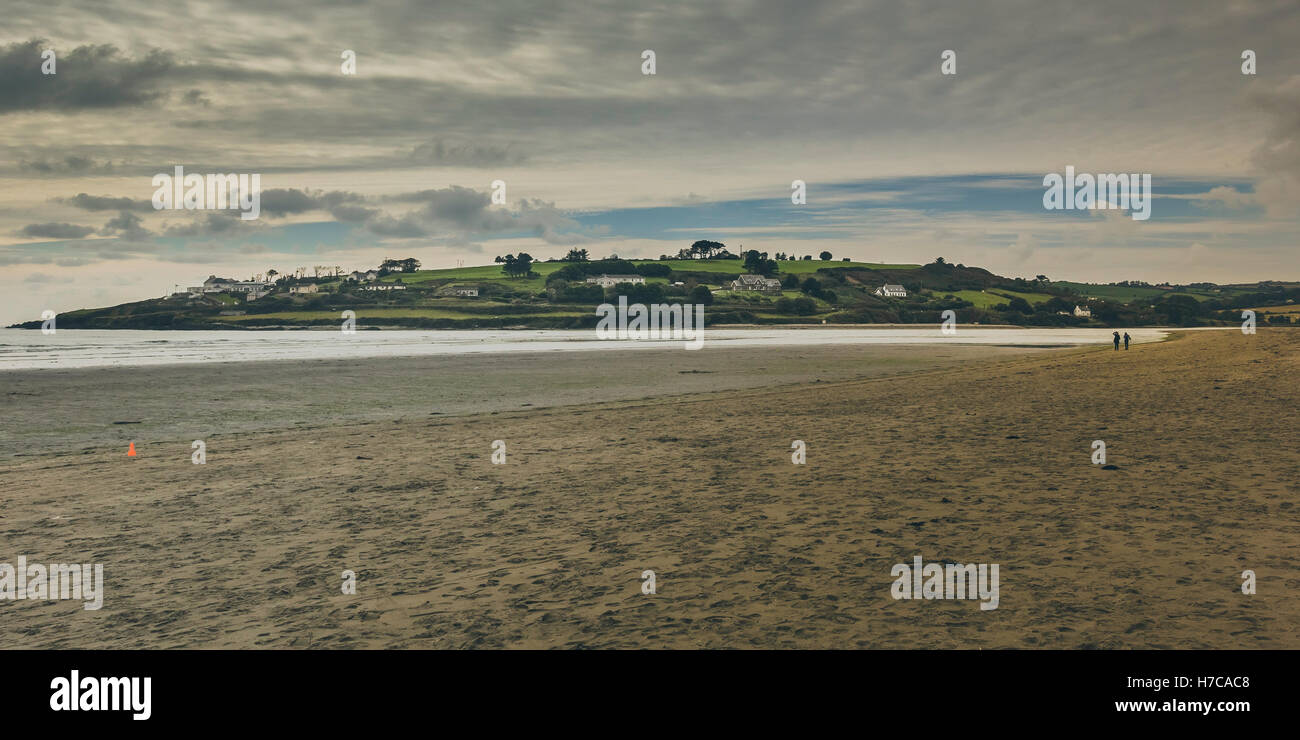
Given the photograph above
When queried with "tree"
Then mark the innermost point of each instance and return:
(1180, 309)
(576, 255)
(811, 286)
(825, 256)
(1042, 279)
(701, 294)
(410, 264)
(1020, 305)
(800, 306)
(757, 262)
(1056, 304)
(523, 264)
(939, 261)
(704, 249)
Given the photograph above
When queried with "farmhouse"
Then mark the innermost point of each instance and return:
(1082, 312)
(891, 291)
(609, 281)
(308, 288)
(215, 284)
(466, 292)
(384, 286)
(251, 288)
(756, 283)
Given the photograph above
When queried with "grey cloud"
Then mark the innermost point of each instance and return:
(286, 201)
(467, 211)
(89, 202)
(69, 165)
(1278, 156)
(1280, 150)
(126, 225)
(406, 227)
(210, 224)
(464, 155)
(87, 77)
(57, 231)
(353, 213)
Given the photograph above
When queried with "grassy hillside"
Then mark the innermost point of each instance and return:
(991, 298)
(543, 270)
(556, 295)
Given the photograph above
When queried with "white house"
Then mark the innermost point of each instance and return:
(356, 276)
(308, 288)
(756, 283)
(252, 287)
(1082, 312)
(214, 284)
(891, 291)
(384, 286)
(370, 276)
(609, 281)
(468, 292)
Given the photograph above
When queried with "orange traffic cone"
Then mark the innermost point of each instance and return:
(131, 451)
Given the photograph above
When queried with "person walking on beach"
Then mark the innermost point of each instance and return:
(1116, 341)
(1126, 338)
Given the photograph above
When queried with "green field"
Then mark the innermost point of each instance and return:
(479, 273)
(991, 298)
(1288, 308)
(1125, 294)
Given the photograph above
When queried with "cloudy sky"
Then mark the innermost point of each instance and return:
(902, 163)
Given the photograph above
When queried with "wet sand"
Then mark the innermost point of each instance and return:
(63, 410)
(979, 459)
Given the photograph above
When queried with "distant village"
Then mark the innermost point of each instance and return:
(301, 283)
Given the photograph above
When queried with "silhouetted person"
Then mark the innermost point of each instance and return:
(1126, 338)
(1116, 341)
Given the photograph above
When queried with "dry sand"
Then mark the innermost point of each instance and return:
(970, 461)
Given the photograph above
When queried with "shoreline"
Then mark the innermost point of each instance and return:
(69, 409)
(109, 349)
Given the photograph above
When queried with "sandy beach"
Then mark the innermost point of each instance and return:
(674, 462)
